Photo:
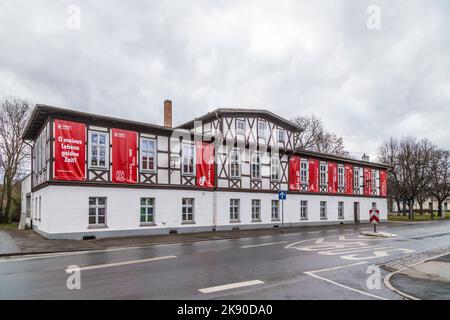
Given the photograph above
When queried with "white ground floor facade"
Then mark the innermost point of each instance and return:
(74, 212)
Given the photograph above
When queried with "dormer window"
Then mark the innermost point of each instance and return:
(262, 129)
(240, 126)
(281, 135)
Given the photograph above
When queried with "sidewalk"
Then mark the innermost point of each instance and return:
(427, 280)
(15, 242)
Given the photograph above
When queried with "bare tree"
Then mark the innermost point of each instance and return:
(315, 138)
(440, 177)
(409, 161)
(14, 114)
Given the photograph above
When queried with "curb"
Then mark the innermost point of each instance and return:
(389, 285)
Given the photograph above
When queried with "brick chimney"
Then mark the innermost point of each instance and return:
(168, 114)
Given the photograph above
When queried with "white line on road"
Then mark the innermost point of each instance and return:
(313, 274)
(231, 286)
(124, 263)
(263, 244)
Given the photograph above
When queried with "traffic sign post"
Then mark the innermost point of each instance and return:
(374, 218)
(282, 197)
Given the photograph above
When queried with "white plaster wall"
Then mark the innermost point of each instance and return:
(65, 208)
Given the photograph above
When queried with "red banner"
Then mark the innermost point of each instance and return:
(313, 175)
(348, 179)
(383, 183)
(367, 181)
(294, 173)
(124, 156)
(70, 150)
(205, 164)
(332, 177)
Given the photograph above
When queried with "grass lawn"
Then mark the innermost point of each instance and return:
(9, 226)
(417, 217)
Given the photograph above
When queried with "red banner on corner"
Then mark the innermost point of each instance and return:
(383, 183)
(294, 173)
(205, 164)
(367, 181)
(332, 177)
(313, 175)
(124, 156)
(348, 179)
(70, 150)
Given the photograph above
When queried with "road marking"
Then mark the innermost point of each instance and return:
(313, 274)
(312, 232)
(263, 244)
(124, 263)
(231, 286)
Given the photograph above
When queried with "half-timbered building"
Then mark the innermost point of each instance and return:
(98, 176)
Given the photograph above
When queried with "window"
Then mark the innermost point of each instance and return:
(97, 210)
(323, 209)
(188, 159)
(374, 180)
(40, 208)
(256, 210)
(323, 174)
(262, 126)
(28, 206)
(147, 210)
(275, 210)
(303, 210)
(341, 210)
(275, 168)
(98, 149)
(235, 164)
(35, 209)
(234, 209)
(374, 205)
(281, 135)
(356, 179)
(240, 126)
(188, 210)
(256, 165)
(304, 171)
(341, 177)
(147, 152)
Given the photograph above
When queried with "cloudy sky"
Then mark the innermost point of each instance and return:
(291, 57)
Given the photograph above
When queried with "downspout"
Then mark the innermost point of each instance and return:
(215, 180)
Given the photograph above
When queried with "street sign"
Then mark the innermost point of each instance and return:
(374, 216)
(282, 195)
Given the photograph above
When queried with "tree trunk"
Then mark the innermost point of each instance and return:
(421, 208)
(8, 200)
(398, 205)
(432, 210)
(404, 208)
(440, 208)
(2, 200)
(410, 210)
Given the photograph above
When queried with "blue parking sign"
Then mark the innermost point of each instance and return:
(282, 195)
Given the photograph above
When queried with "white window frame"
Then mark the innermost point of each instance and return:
(275, 210)
(341, 176)
(241, 131)
(304, 174)
(146, 206)
(148, 151)
(356, 178)
(184, 147)
(262, 131)
(341, 210)
(235, 210)
(323, 210)
(275, 168)
(281, 135)
(304, 210)
(323, 166)
(235, 164)
(187, 203)
(106, 146)
(97, 206)
(255, 164)
(373, 182)
(256, 210)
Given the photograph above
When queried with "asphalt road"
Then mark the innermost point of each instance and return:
(333, 263)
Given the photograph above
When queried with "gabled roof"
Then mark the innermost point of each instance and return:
(242, 113)
(42, 112)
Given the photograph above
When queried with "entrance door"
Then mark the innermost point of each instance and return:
(356, 211)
